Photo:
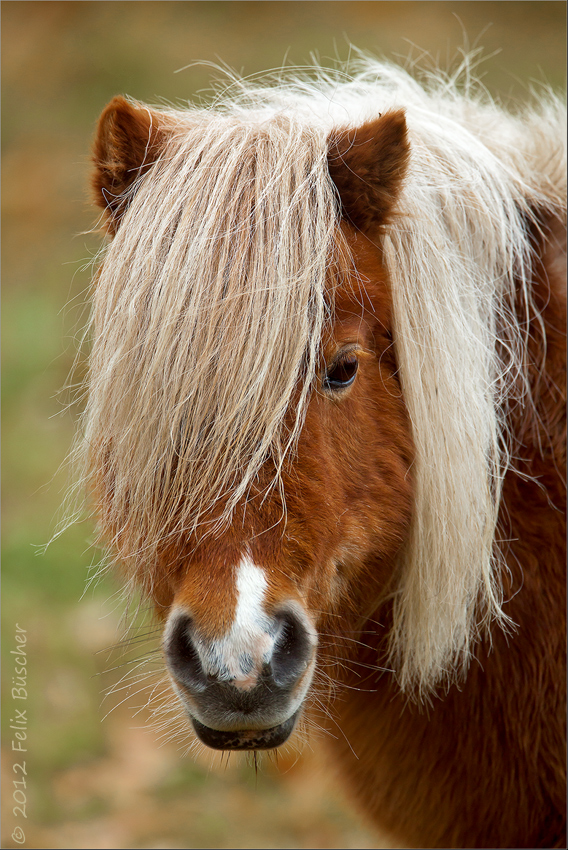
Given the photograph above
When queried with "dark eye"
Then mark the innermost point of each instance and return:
(342, 373)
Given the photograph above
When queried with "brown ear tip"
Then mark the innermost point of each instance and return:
(128, 139)
(367, 165)
(389, 128)
(122, 125)
(119, 100)
(114, 103)
(397, 116)
(119, 111)
(394, 127)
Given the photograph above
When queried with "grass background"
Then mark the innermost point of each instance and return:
(105, 782)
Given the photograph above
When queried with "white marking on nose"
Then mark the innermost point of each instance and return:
(239, 655)
(251, 589)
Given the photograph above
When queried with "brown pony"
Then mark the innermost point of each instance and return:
(325, 432)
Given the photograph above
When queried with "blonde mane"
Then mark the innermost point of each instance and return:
(208, 312)
(212, 299)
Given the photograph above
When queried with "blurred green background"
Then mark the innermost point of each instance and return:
(107, 783)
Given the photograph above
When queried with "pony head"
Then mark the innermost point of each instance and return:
(293, 421)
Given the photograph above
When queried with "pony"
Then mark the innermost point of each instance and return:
(325, 431)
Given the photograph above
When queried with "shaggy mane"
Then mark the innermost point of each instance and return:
(212, 299)
(208, 312)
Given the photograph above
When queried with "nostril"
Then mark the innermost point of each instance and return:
(292, 650)
(182, 657)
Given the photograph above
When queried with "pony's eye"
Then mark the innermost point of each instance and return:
(342, 373)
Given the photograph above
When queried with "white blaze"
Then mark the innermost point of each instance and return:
(251, 589)
(239, 655)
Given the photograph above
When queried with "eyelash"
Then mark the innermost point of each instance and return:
(342, 373)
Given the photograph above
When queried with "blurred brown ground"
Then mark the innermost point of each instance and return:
(108, 781)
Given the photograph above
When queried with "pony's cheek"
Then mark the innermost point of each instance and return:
(331, 582)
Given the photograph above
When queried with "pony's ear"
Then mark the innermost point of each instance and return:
(128, 140)
(367, 165)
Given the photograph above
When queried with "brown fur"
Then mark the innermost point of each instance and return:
(482, 764)
(126, 146)
(367, 190)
